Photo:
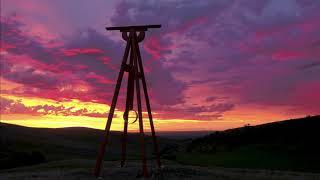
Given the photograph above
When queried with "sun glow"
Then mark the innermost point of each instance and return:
(76, 113)
(62, 120)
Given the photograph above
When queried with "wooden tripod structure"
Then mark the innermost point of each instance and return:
(134, 68)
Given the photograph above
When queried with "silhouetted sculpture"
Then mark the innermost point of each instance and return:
(135, 74)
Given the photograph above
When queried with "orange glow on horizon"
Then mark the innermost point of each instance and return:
(231, 119)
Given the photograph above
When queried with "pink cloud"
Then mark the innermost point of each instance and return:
(294, 54)
(5, 46)
(100, 79)
(80, 51)
(187, 25)
(234, 54)
(153, 47)
(156, 48)
(105, 60)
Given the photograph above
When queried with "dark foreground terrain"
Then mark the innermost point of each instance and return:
(82, 169)
(291, 145)
(282, 150)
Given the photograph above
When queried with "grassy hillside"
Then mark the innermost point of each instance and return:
(287, 145)
(21, 145)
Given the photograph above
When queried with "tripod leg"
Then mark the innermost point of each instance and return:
(111, 112)
(124, 143)
(137, 79)
(129, 106)
(144, 161)
(154, 137)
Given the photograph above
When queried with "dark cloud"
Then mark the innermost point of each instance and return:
(210, 99)
(248, 50)
(209, 112)
(310, 66)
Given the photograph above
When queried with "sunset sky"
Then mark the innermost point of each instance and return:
(214, 64)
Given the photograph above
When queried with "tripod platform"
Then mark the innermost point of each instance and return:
(134, 28)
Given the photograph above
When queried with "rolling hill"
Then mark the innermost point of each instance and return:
(291, 145)
(287, 145)
(22, 144)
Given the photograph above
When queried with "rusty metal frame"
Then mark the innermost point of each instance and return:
(135, 73)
